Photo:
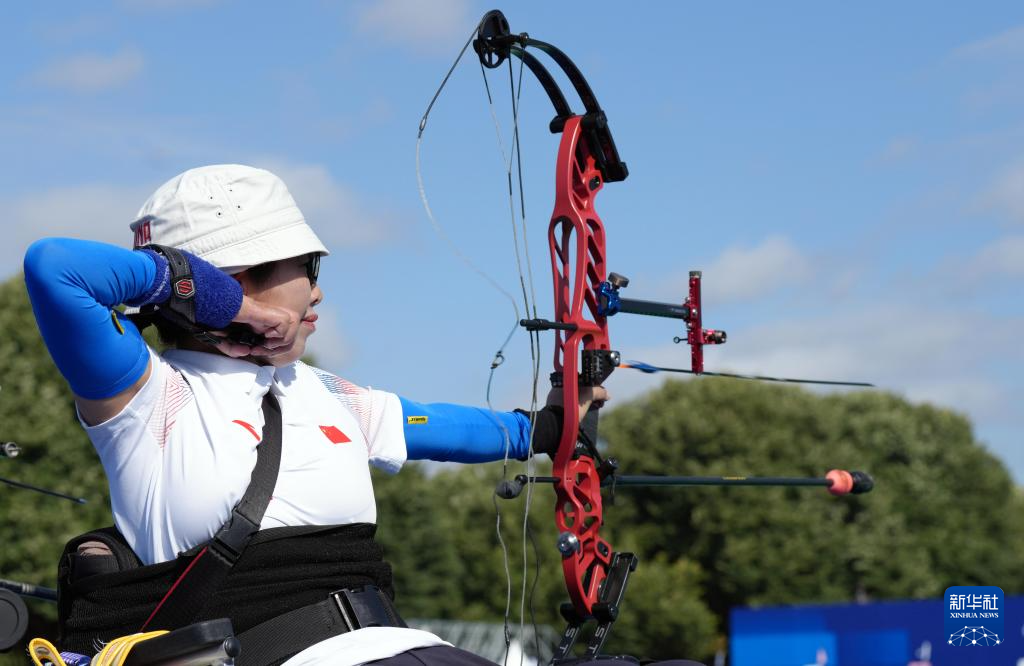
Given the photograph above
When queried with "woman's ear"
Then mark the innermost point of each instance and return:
(243, 278)
(258, 278)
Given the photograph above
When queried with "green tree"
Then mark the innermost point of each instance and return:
(37, 411)
(665, 614)
(942, 512)
(413, 532)
(932, 521)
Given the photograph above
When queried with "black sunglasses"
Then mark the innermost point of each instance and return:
(312, 266)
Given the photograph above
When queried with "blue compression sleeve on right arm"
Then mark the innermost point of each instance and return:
(455, 433)
(73, 286)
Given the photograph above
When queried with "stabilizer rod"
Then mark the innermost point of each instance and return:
(29, 590)
(51, 493)
(838, 482)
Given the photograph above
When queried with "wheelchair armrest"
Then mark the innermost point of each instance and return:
(209, 643)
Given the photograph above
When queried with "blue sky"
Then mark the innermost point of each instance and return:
(849, 178)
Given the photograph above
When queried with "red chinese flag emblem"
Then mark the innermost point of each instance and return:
(336, 436)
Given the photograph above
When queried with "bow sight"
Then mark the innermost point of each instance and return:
(585, 296)
(690, 311)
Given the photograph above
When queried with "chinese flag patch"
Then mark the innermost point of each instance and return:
(336, 436)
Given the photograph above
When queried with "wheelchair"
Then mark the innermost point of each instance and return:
(209, 643)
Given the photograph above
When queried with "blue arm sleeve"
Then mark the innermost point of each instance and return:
(455, 433)
(73, 286)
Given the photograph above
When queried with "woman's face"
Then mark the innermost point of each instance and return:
(287, 286)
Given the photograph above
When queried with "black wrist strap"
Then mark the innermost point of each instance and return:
(180, 308)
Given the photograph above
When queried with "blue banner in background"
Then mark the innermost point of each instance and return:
(889, 633)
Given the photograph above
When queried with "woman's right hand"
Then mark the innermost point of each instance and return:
(279, 327)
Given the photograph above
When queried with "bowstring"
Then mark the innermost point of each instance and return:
(499, 356)
(505, 554)
(526, 283)
(529, 302)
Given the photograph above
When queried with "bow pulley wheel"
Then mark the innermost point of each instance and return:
(493, 40)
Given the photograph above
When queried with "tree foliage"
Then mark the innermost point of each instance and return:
(37, 412)
(944, 511)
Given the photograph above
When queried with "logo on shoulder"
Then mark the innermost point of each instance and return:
(143, 232)
(974, 616)
(184, 288)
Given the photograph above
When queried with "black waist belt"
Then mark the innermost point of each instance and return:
(277, 639)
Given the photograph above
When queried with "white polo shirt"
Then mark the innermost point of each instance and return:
(180, 455)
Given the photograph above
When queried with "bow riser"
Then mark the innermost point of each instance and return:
(577, 244)
(577, 514)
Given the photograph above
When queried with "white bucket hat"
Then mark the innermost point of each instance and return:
(232, 216)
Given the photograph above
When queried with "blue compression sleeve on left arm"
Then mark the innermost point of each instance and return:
(73, 286)
(455, 433)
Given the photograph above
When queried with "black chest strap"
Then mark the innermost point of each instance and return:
(207, 570)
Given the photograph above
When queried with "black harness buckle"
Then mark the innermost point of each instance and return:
(366, 606)
(232, 538)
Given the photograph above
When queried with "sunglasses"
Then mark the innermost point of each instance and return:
(312, 266)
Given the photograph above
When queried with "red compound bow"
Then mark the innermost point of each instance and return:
(585, 295)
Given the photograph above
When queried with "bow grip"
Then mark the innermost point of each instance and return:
(588, 426)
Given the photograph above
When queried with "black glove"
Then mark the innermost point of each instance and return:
(547, 429)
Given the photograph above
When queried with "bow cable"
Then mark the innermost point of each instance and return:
(529, 302)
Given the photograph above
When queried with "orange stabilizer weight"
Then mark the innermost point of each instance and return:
(842, 482)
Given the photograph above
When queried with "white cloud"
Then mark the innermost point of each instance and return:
(159, 5)
(898, 149)
(327, 345)
(979, 397)
(745, 273)
(97, 212)
(1007, 43)
(1002, 257)
(103, 212)
(964, 361)
(994, 269)
(986, 95)
(72, 29)
(1006, 194)
(337, 214)
(925, 354)
(436, 26)
(90, 72)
